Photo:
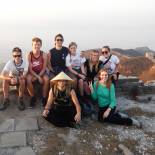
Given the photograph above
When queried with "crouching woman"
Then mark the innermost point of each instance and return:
(62, 108)
(104, 92)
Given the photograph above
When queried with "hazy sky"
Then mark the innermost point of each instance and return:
(91, 23)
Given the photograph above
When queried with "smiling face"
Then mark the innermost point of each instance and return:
(58, 41)
(94, 56)
(105, 52)
(17, 56)
(103, 76)
(36, 46)
(61, 84)
(72, 49)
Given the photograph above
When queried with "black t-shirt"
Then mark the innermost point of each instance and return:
(92, 73)
(58, 59)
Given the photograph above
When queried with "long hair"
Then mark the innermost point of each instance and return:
(90, 62)
(108, 82)
(55, 89)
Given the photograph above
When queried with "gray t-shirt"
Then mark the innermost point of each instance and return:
(15, 69)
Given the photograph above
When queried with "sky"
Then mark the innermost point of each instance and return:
(90, 23)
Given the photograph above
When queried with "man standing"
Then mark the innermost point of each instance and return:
(14, 73)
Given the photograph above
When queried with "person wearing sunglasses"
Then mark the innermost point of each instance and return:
(14, 73)
(110, 62)
(57, 57)
(37, 71)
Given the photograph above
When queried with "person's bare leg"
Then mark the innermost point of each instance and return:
(45, 86)
(21, 87)
(4, 105)
(81, 87)
(21, 104)
(86, 88)
(6, 85)
(31, 90)
(45, 90)
(30, 85)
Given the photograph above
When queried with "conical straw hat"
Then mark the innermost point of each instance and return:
(61, 76)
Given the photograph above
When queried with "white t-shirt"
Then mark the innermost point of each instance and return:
(75, 61)
(15, 70)
(111, 64)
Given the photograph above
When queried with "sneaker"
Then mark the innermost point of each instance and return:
(44, 101)
(32, 102)
(137, 123)
(5, 104)
(21, 105)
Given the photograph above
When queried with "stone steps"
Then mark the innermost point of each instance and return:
(13, 136)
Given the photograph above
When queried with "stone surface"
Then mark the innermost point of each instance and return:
(25, 151)
(13, 139)
(8, 151)
(125, 150)
(7, 125)
(25, 124)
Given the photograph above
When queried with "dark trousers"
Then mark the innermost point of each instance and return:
(62, 116)
(113, 117)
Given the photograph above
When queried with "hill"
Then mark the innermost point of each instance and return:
(139, 51)
(148, 75)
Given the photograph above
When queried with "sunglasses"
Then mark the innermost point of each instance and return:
(105, 52)
(15, 56)
(59, 40)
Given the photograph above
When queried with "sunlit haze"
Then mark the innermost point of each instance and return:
(90, 23)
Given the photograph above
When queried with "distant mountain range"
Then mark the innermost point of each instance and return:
(139, 51)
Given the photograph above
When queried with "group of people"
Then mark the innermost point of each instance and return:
(68, 80)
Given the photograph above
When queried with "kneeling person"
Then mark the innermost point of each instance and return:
(62, 108)
(14, 73)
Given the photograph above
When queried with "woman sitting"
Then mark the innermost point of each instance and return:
(75, 65)
(62, 108)
(110, 62)
(104, 92)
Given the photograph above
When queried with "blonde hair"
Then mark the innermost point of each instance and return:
(90, 62)
(36, 39)
(67, 88)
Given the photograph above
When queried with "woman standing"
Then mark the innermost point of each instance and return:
(104, 92)
(62, 108)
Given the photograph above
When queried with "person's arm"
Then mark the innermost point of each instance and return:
(83, 69)
(5, 72)
(112, 102)
(49, 62)
(30, 67)
(117, 61)
(112, 97)
(49, 103)
(5, 75)
(77, 106)
(44, 65)
(93, 91)
(116, 68)
(24, 74)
